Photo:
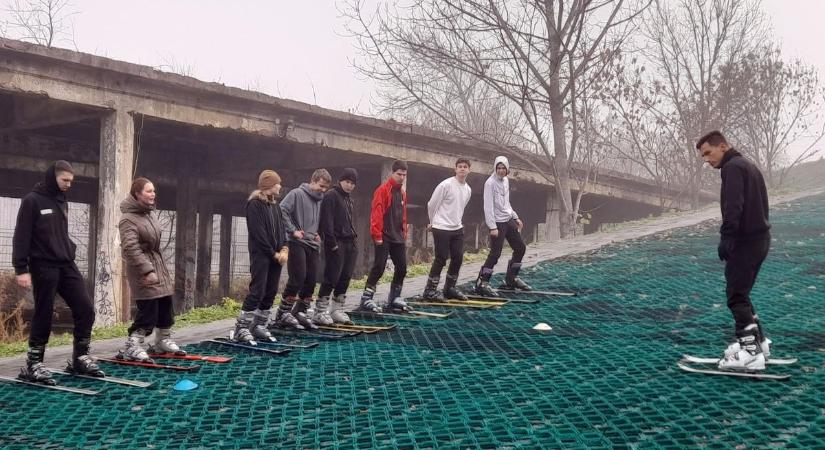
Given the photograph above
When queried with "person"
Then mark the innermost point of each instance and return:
(388, 229)
(446, 210)
(338, 236)
(150, 285)
(268, 253)
(43, 257)
(503, 223)
(301, 210)
(744, 244)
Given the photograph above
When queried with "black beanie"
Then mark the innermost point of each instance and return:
(349, 174)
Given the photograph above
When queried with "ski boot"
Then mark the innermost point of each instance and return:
(450, 291)
(336, 310)
(367, 303)
(431, 292)
(394, 301)
(242, 333)
(299, 311)
(134, 350)
(284, 317)
(749, 356)
(258, 328)
(164, 343)
(321, 316)
(512, 281)
(34, 370)
(482, 286)
(764, 342)
(81, 363)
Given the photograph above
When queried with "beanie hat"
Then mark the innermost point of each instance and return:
(267, 179)
(349, 174)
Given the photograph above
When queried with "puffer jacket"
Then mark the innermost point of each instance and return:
(140, 237)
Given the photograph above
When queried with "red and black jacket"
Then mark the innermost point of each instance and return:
(381, 203)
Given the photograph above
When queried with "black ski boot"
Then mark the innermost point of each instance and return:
(81, 362)
(367, 302)
(394, 300)
(35, 371)
(431, 292)
(450, 291)
(512, 281)
(299, 311)
(284, 317)
(482, 286)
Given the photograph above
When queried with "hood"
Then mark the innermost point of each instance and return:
(48, 186)
(317, 196)
(131, 205)
(501, 159)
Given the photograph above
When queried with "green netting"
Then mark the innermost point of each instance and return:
(605, 377)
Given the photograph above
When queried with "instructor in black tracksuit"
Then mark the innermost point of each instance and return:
(43, 258)
(745, 240)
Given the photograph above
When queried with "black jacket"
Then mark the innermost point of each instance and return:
(336, 218)
(266, 233)
(744, 199)
(41, 234)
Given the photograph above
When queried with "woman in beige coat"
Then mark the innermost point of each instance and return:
(150, 285)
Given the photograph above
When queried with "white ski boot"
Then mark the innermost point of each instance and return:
(336, 310)
(749, 356)
(321, 316)
(164, 342)
(134, 350)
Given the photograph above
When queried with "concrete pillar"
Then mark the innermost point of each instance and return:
(204, 267)
(551, 217)
(115, 176)
(225, 269)
(186, 220)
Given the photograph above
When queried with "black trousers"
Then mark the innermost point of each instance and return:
(398, 254)
(338, 268)
(741, 269)
(153, 313)
(66, 281)
(509, 231)
(448, 245)
(263, 286)
(303, 270)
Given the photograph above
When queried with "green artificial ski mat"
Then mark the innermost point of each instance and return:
(604, 377)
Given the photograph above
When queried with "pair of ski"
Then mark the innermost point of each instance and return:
(75, 390)
(684, 364)
(474, 302)
(366, 329)
(119, 359)
(549, 293)
(320, 335)
(400, 314)
(53, 387)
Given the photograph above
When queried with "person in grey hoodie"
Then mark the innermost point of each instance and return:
(503, 223)
(301, 210)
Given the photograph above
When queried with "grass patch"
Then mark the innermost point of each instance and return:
(228, 308)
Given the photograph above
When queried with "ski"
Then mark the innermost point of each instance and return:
(754, 375)
(54, 387)
(149, 365)
(272, 343)
(254, 347)
(204, 358)
(408, 315)
(107, 378)
(317, 334)
(366, 329)
(502, 300)
(454, 304)
(771, 361)
(518, 291)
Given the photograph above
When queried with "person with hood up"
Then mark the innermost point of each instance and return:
(503, 223)
(43, 257)
(150, 285)
(388, 228)
(301, 209)
(268, 254)
(340, 251)
(744, 245)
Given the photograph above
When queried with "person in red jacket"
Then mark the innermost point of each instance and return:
(388, 228)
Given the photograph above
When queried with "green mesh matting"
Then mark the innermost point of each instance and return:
(604, 377)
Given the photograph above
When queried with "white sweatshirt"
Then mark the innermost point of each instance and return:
(497, 197)
(446, 205)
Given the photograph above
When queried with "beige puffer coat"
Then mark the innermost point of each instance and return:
(140, 238)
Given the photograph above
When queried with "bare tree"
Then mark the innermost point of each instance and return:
(530, 54)
(44, 22)
(784, 109)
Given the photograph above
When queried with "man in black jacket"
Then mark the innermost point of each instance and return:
(338, 235)
(268, 253)
(43, 258)
(745, 241)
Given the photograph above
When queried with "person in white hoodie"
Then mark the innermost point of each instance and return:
(446, 210)
(503, 223)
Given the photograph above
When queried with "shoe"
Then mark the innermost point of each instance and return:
(336, 310)
(749, 356)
